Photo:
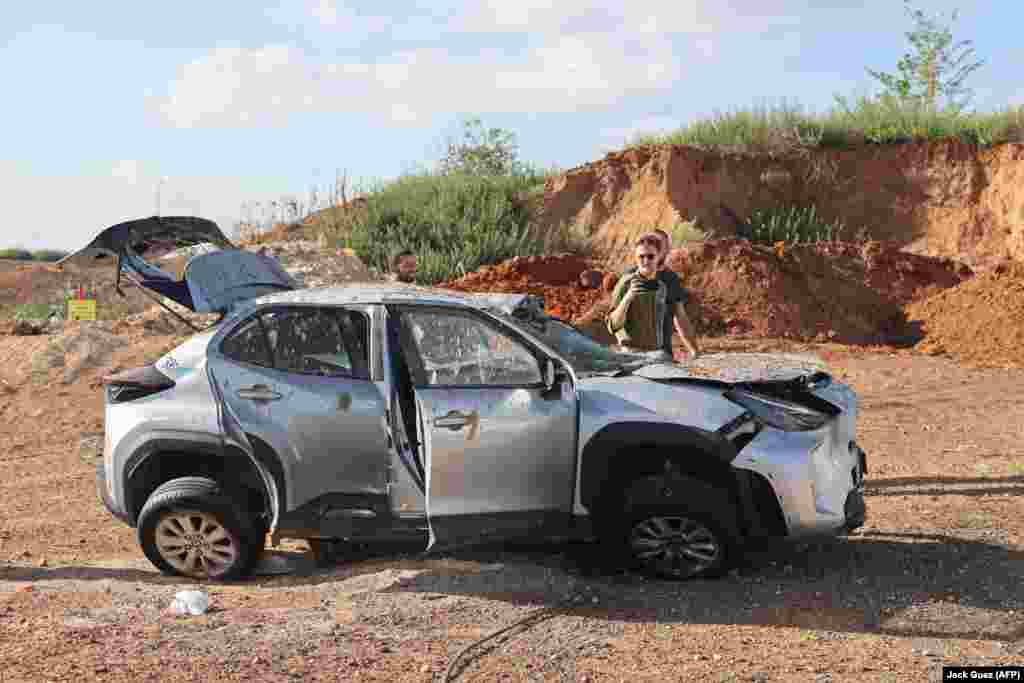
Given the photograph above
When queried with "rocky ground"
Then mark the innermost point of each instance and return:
(934, 577)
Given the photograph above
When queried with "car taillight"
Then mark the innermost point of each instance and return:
(135, 384)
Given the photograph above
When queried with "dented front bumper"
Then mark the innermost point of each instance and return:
(817, 478)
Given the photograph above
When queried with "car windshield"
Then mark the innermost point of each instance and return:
(588, 357)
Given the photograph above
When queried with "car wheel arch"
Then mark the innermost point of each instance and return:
(669, 454)
(152, 466)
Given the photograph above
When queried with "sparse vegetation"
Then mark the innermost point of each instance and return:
(788, 128)
(16, 254)
(682, 232)
(793, 225)
(454, 222)
(48, 255)
(483, 151)
(936, 69)
(976, 520)
(19, 254)
(925, 100)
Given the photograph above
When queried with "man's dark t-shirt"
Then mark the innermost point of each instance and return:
(676, 294)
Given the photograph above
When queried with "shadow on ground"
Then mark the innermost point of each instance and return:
(900, 584)
(946, 486)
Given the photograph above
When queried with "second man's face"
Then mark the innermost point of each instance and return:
(407, 268)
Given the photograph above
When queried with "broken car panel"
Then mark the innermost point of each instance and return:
(213, 280)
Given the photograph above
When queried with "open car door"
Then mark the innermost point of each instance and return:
(212, 280)
(499, 449)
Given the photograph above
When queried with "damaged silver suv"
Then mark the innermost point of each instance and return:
(383, 412)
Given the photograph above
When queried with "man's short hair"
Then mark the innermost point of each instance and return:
(650, 239)
(666, 240)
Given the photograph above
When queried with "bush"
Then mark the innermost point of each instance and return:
(16, 254)
(786, 128)
(795, 225)
(454, 223)
(49, 255)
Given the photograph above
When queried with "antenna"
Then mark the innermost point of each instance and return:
(159, 186)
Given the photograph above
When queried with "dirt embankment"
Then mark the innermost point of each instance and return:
(981, 321)
(555, 278)
(828, 291)
(945, 199)
(840, 292)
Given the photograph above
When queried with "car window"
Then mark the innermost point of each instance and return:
(310, 341)
(247, 345)
(460, 349)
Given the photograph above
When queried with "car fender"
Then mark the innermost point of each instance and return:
(622, 449)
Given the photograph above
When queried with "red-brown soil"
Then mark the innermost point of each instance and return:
(556, 278)
(944, 198)
(852, 293)
(981, 321)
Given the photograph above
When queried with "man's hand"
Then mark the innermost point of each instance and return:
(636, 287)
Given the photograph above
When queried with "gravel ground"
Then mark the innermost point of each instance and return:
(934, 577)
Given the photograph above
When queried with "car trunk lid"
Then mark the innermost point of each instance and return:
(220, 276)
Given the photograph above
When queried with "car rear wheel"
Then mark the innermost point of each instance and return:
(190, 527)
(676, 543)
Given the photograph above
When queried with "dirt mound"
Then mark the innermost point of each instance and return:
(47, 286)
(313, 265)
(944, 198)
(981, 321)
(78, 347)
(842, 292)
(556, 278)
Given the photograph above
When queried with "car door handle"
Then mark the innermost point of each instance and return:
(454, 421)
(258, 392)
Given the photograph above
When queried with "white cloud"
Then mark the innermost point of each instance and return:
(326, 12)
(233, 85)
(127, 170)
(554, 57)
(258, 87)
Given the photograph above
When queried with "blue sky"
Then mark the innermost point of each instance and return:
(223, 104)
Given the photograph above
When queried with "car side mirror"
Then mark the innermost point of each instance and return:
(549, 374)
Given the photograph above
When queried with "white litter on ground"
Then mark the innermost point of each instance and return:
(194, 603)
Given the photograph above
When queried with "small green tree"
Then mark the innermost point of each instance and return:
(937, 67)
(482, 151)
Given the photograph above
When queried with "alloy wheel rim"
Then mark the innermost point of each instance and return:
(674, 545)
(196, 543)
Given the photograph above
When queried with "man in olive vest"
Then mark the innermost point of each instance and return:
(648, 299)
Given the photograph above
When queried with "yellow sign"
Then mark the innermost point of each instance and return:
(81, 309)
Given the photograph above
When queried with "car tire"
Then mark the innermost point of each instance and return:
(190, 527)
(677, 543)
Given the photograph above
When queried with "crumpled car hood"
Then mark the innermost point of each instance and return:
(736, 368)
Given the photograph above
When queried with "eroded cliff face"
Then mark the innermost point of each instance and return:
(944, 199)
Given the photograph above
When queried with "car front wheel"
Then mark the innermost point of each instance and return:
(675, 543)
(190, 527)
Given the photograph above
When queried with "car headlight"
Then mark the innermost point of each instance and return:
(774, 412)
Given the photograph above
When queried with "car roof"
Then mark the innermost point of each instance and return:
(376, 293)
